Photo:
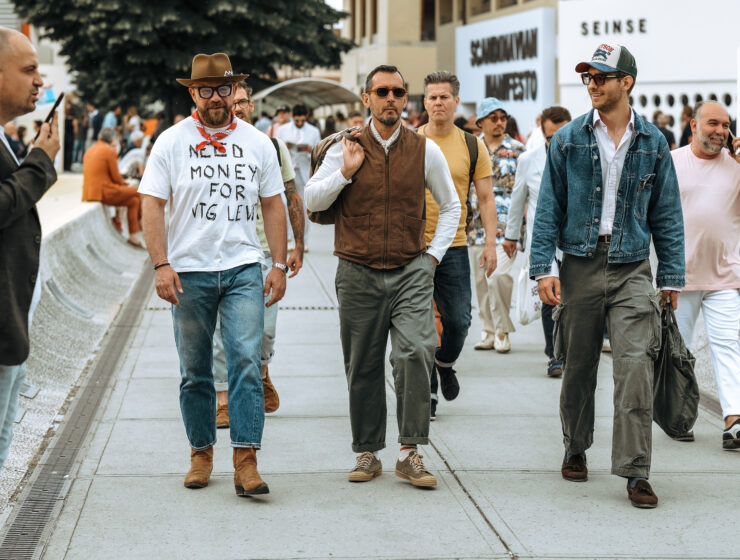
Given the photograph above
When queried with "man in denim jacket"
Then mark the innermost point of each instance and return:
(608, 185)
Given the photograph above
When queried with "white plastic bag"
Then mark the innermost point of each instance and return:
(528, 305)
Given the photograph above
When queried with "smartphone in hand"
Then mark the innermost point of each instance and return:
(51, 114)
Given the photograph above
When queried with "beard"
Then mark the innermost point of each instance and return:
(389, 120)
(609, 101)
(215, 115)
(706, 141)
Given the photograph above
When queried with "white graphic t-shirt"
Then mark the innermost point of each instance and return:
(213, 196)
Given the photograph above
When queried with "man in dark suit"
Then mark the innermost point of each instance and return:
(21, 186)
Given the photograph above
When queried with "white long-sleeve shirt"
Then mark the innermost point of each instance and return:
(326, 184)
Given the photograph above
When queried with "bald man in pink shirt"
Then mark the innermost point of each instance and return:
(709, 181)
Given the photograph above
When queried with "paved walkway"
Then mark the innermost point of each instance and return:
(496, 452)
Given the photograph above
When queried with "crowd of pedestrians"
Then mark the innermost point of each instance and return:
(419, 206)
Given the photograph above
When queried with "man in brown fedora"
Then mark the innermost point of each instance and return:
(215, 169)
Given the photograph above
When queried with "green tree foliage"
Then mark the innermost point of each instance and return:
(130, 51)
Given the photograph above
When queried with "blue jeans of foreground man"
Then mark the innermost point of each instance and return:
(220, 375)
(236, 295)
(11, 379)
(452, 294)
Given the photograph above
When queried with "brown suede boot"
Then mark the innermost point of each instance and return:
(201, 465)
(272, 401)
(247, 481)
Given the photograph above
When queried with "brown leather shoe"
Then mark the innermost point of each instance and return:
(201, 465)
(575, 469)
(247, 481)
(642, 495)
(272, 401)
(222, 416)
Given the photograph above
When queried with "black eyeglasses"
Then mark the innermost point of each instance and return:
(398, 92)
(599, 79)
(242, 103)
(206, 92)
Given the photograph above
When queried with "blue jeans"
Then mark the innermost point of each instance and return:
(11, 379)
(220, 375)
(236, 296)
(452, 294)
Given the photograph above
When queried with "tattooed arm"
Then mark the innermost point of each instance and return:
(297, 224)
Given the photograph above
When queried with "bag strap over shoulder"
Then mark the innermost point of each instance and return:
(319, 150)
(472, 143)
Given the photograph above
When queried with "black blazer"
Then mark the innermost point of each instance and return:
(20, 243)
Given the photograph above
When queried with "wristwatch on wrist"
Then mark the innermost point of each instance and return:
(281, 266)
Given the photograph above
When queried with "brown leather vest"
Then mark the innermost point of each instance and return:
(380, 217)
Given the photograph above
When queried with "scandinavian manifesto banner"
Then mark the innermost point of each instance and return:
(511, 58)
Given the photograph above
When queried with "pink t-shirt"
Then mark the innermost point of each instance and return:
(710, 197)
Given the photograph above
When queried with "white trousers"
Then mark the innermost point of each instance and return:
(721, 309)
(494, 292)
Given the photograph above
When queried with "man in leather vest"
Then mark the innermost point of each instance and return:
(373, 189)
(21, 186)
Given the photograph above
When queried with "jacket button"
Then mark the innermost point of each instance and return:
(596, 220)
(596, 157)
(590, 254)
(598, 189)
(37, 239)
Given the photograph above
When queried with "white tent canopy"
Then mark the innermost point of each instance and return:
(312, 92)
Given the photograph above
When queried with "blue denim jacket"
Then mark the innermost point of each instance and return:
(648, 202)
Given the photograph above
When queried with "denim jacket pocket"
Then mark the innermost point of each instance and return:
(642, 198)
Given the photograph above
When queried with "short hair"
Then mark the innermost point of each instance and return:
(386, 69)
(248, 90)
(353, 114)
(443, 77)
(664, 119)
(555, 114)
(622, 75)
(107, 134)
(700, 105)
(300, 110)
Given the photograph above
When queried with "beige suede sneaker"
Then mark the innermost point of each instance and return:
(412, 469)
(367, 467)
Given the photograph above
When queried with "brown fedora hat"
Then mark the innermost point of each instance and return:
(211, 68)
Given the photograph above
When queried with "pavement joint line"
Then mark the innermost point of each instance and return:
(470, 497)
(29, 527)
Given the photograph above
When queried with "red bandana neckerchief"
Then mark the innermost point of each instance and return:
(212, 138)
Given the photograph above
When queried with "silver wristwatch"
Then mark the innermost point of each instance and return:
(281, 266)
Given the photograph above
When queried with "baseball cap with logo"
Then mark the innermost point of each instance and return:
(610, 58)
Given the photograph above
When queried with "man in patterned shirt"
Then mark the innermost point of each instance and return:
(494, 292)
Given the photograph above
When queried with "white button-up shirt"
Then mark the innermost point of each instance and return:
(612, 162)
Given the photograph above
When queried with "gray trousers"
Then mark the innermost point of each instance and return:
(595, 293)
(372, 304)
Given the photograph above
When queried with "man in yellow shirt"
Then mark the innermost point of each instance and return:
(452, 292)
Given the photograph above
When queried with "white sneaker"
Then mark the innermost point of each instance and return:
(502, 346)
(486, 343)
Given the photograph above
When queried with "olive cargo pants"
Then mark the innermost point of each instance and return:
(594, 293)
(373, 304)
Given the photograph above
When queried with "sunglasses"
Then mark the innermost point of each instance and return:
(398, 92)
(598, 79)
(206, 92)
(497, 118)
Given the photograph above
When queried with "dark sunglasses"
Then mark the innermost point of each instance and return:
(598, 79)
(398, 92)
(206, 92)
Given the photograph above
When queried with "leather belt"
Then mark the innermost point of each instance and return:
(605, 239)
